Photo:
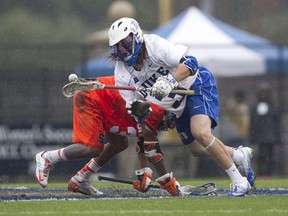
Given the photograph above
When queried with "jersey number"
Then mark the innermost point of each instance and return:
(130, 131)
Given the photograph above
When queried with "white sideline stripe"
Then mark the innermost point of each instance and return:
(143, 212)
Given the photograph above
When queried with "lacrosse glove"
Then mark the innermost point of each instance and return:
(169, 183)
(166, 123)
(144, 178)
(139, 109)
(163, 86)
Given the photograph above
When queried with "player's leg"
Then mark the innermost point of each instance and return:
(158, 120)
(149, 145)
(152, 151)
(88, 138)
(81, 182)
(201, 130)
(46, 160)
(202, 110)
(117, 144)
(241, 156)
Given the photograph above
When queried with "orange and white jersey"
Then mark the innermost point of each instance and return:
(99, 111)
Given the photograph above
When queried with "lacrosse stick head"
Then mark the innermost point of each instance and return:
(208, 189)
(70, 89)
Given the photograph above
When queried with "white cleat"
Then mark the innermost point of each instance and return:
(84, 187)
(240, 189)
(43, 167)
(245, 168)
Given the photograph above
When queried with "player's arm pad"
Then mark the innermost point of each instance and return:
(191, 63)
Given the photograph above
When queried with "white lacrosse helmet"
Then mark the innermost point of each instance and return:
(128, 49)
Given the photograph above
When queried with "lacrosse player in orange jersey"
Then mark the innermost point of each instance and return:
(101, 115)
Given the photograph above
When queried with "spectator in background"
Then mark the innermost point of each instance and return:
(265, 129)
(238, 112)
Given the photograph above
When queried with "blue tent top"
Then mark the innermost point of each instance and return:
(238, 35)
(202, 29)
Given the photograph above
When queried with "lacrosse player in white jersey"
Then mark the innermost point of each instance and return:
(147, 60)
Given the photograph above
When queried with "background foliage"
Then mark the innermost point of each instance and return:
(38, 21)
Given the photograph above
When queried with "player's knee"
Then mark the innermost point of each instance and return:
(197, 150)
(201, 135)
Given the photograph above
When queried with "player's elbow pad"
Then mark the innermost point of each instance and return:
(191, 63)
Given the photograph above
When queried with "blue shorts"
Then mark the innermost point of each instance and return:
(205, 101)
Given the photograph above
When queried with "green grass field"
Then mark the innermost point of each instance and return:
(214, 205)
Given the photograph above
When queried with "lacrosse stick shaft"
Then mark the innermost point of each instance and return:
(70, 89)
(125, 181)
(132, 88)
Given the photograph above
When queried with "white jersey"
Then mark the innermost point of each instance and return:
(163, 58)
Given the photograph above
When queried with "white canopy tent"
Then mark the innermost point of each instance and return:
(224, 49)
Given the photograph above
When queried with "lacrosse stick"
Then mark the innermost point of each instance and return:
(207, 189)
(125, 181)
(188, 190)
(79, 85)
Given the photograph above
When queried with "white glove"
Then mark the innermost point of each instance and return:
(163, 86)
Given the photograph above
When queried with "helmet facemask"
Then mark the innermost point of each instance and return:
(127, 50)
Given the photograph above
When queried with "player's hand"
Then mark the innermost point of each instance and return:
(163, 86)
(139, 109)
(144, 178)
(166, 123)
(169, 183)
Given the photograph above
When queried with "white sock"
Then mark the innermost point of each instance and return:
(238, 156)
(234, 174)
(87, 171)
(55, 156)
